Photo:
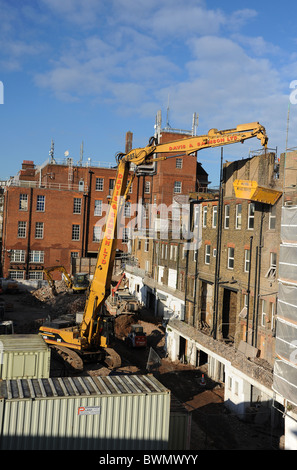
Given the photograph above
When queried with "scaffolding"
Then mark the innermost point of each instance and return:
(285, 366)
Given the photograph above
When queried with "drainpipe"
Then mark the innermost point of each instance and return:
(218, 257)
(88, 212)
(29, 233)
(248, 292)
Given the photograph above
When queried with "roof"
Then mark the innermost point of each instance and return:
(22, 343)
(58, 387)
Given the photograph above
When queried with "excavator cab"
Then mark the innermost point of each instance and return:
(80, 282)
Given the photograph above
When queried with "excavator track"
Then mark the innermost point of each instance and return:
(112, 359)
(69, 356)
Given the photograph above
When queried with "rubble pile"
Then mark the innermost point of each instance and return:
(123, 325)
(62, 303)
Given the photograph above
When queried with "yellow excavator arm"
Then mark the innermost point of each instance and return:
(93, 332)
(100, 286)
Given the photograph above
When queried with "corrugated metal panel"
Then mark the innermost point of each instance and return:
(102, 413)
(180, 426)
(24, 356)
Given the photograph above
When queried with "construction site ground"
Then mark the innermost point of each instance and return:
(213, 426)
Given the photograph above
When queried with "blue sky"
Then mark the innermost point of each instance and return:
(91, 70)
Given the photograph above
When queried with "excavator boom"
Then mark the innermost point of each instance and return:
(95, 330)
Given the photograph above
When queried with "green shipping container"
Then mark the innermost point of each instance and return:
(123, 412)
(24, 356)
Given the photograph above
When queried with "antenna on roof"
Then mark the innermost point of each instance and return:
(51, 153)
(167, 118)
(81, 153)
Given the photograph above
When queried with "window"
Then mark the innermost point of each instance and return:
(230, 258)
(204, 218)
(177, 187)
(146, 210)
(264, 312)
(247, 259)
(127, 210)
(36, 256)
(77, 205)
(214, 216)
(99, 184)
(16, 275)
(195, 255)
(40, 206)
(238, 216)
(111, 186)
(75, 232)
(147, 266)
(251, 215)
(196, 216)
(97, 233)
(207, 254)
(173, 252)
(126, 234)
(98, 207)
(130, 189)
(39, 230)
(17, 256)
(37, 275)
(179, 163)
(271, 273)
(147, 187)
(74, 254)
(22, 228)
(146, 245)
(23, 202)
(272, 218)
(227, 215)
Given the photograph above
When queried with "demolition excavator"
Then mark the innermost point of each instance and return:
(93, 338)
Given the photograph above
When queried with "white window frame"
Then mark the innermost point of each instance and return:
(204, 217)
(77, 205)
(177, 189)
(36, 256)
(126, 235)
(173, 252)
(97, 231)
(146, 245)
(22, 229)
(207, 254)
(251, 216)
(17, 256)
(16, 275)
(231, 256)
(98, 207)
(147, 187)
(272, 218)
(179, 163)
(36, 275)
(247, 260)
(23, 202)
(99, 184)
(127, 209)
(39, 230)
(214, 216)
(40, 203)
(238, 216)
(227, 216)
(75, 233)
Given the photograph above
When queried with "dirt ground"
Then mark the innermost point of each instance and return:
(213, 427)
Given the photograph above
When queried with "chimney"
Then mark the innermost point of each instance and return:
(129, 139)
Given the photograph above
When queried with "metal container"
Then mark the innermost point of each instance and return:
(180, 426)
(94, 413)
(24, 356)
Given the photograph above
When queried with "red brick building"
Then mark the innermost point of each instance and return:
(55, 212)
